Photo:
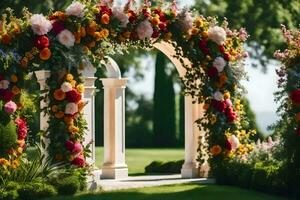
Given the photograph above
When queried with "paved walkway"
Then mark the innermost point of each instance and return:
(148, 181)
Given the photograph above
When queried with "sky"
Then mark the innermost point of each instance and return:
(260, 87)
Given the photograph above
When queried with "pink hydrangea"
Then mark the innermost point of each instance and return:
(144, 30)
(40, 25)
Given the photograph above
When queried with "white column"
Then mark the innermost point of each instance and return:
(89, 110)
(114, 166)
(42, 76)
(190, 166)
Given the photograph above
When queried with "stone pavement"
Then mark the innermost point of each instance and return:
(149, 181)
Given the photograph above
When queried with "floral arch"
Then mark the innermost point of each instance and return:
(211, 57)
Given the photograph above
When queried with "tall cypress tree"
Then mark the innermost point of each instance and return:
(164, 125)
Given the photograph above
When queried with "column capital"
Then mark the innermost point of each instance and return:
(42, 75)
(114, 82)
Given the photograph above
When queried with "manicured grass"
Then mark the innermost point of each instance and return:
(138, 159)
(177, 192)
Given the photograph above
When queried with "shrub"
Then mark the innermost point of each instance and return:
(35, 190)
(8, 194)
(8, 137)
(167, 167)
(67, 185)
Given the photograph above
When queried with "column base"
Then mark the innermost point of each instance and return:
(114, 172)
(93, 180)
(190, 170)
(204, 170)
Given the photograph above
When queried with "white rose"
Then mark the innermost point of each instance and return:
(66, 38)
(234, 141)
(75, 9)
(144, 30)
(217, 34)
(4, 84)
(40, 25)
(219, 63)
(121, 16)
(186, 21)
(71, 109)
(218, 96)
(66, 87)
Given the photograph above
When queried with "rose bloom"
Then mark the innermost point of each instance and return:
(66, 87)
(186, 21)
(144, 30)
(121, 16)
(10, 107)
(6, 95)
(215, 150)
(59, 95)
(58, 26)
(217, 34)
(219, 63)
(22, 128)
(66, 38)
(75, 9)
(77, 148)
(105, 19)
(4, 84)
(234, 141)
(40, 25)
(71, 109)
(79, 161)
(218, 96)
(45, 54)
(69, 145)
(41, 42)
(73, 96)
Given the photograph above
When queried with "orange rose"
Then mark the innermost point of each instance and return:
(68, 120)
(15, 90)
(204, 34)
(80, 106)
(155, 21)
(59, 115)
(24, 62)
(97, 36)
(82, 32)
(14, 78)
(59, 95)
(105, 19)
(105, 33)
(223, 79)
(73, 129)
(6, 39)
(54, 108)
(92, 28)
(215, 150)
(45, 54)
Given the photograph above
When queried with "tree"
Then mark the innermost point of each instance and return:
(262, 20)
(164, 105)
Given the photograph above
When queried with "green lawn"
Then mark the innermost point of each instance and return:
(137, 159)
(177, 192)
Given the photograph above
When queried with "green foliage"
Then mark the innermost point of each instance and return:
(261, 19)
(164, 127)
(164, 167)
(36, 190)
(8, 137)
(66, 185)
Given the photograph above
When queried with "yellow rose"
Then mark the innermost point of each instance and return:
(226, 95)
(80, 88)
(69, 77)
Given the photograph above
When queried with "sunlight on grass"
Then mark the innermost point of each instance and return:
(138, 159)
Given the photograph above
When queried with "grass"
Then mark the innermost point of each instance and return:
(138, 159)
(177, 192)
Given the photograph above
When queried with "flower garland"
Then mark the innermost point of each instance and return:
(289, 98)
(61, 42)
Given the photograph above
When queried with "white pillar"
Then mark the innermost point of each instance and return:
(114, 166)
(192, 113)
(89, 110)
(42, 76)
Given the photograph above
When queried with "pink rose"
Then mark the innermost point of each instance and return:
(79, 161)
(77, 148)
(69, 145)
(10, 107)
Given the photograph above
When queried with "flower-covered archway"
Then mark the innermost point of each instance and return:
(65, 41)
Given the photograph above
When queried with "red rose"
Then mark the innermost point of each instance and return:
(226, 56)
(295, 96)
(69, 145)
(212, 72)
(162, 17)
(221, 49)
(228, 145)
(41, 42)
(105, 10)
(79, 161)
(219, 105)
(162, 26)
(6, 95)
(202, 44)
(1, 77)
(57, 27)
(146, 13)
(73, 96)
(298, 131)
(22, 129)
(155, 33)
(231, 115)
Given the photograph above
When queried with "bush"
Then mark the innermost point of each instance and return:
(68, 185)
(8, 194)
(8, 137)
(35, 190)
(163, 168)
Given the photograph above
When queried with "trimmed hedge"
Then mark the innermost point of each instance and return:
(260, 177)
(158, 167)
